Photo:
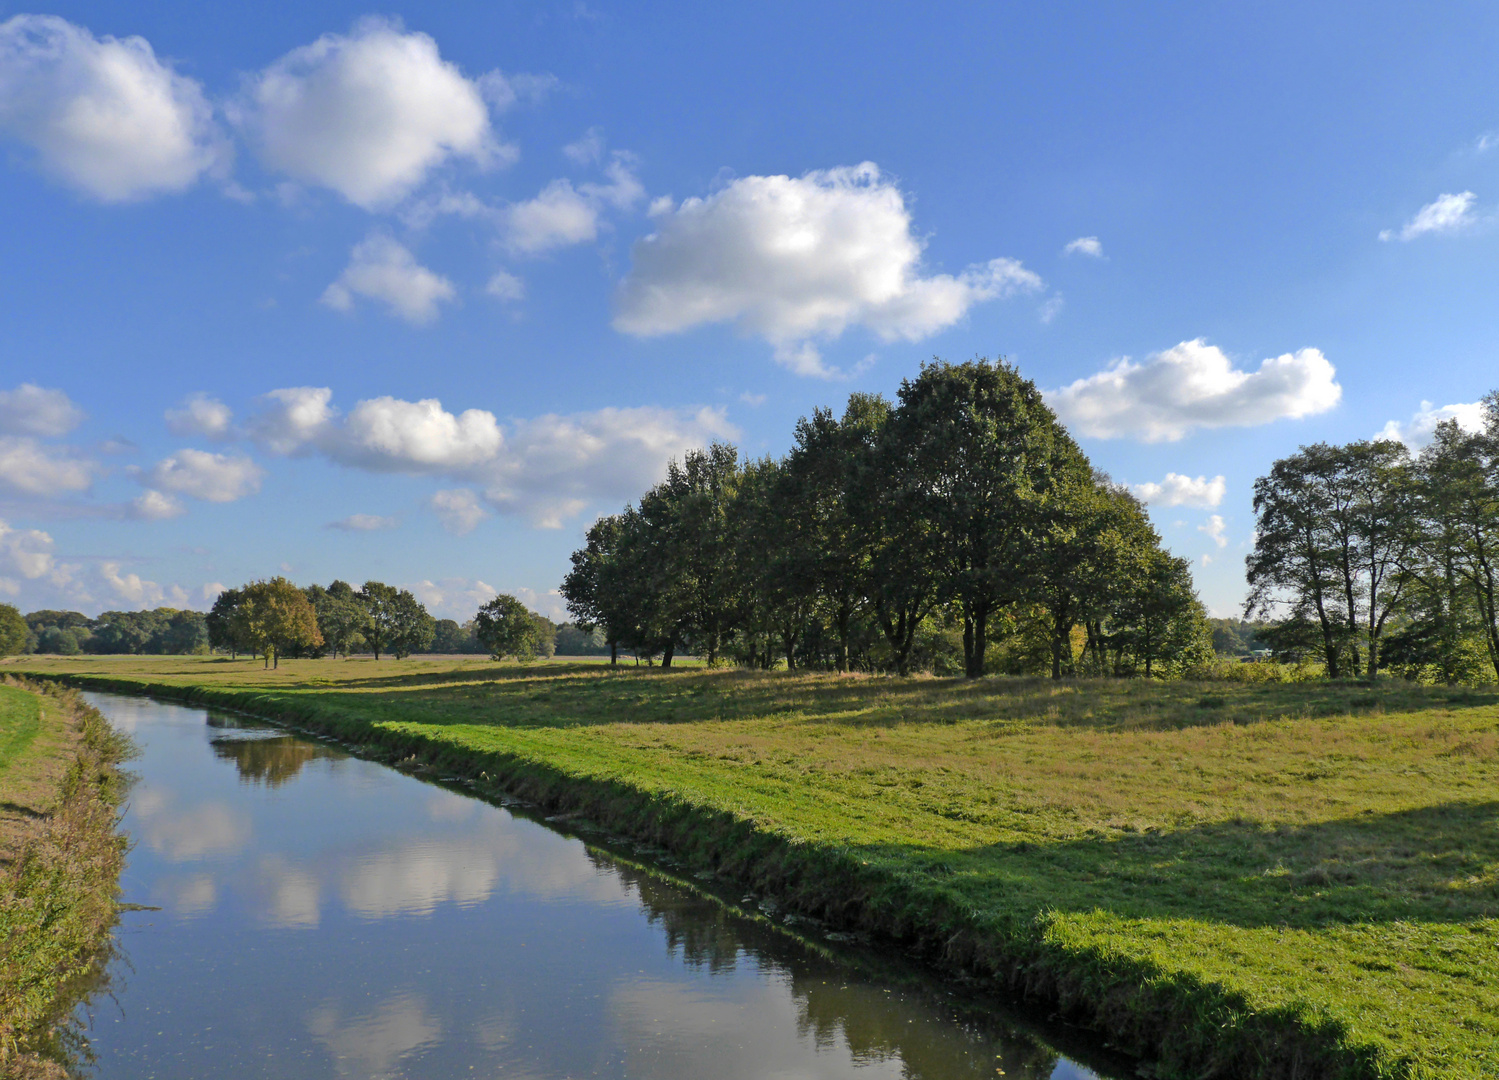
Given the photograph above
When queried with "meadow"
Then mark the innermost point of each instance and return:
(1234, 879)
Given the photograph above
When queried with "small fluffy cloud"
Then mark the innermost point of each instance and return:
(29, 468)
(1194, 385)
(458, 509)
(134, 589)
(153, 505)
(1422, 426)
(211, 477)
(381, 268)
(293, 418)
(1215, 528)
(31, 410)
(555, 465)
(202, 415)
(387, 434)
(103, 114)
(1450, 213)
(1085, 245)
(547, 468)
(364, 523)
(453, 598)
(506, 288)
(368, 114)
(562, 214)
(27, 552)
(1179, 490)
(798, 259)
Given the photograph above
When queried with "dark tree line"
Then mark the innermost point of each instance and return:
(929, 532)
(1374, 559)
(161, 631)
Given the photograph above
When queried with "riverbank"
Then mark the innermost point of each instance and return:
(1231, 880)
(60, 862)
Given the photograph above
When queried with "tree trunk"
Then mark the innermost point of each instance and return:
(842, 620)
(613, 654)
(668, 652)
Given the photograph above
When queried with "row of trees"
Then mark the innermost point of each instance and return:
(1374, 559)
(277, 618)
(922, 533)
(162, 631)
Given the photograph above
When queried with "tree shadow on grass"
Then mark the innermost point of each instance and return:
(1433, 864)
(572, 694)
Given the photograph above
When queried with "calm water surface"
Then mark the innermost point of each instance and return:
(325, 916)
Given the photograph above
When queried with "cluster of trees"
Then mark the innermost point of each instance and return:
(920, 533)
(68, 633)
(276, 618)
(1377, 559)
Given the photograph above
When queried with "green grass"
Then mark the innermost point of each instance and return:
(20, 721)
(1236, 860)
(60, 861)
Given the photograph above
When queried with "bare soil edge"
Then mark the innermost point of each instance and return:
(1185, 1028)
(59, 898)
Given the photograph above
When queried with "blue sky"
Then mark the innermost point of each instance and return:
(415, 295)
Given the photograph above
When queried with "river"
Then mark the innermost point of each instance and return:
(319, 915)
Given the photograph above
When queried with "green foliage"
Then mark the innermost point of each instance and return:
(1375, 560)
(275, 618)
(506, 627)
(890, 536)
(397, 621)
(13, 631)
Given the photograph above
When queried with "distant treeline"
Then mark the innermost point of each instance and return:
(163, 631)
(347, 621)
(957, 530)
(1376, 560)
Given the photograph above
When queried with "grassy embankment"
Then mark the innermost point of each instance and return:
(60, 861)
(1236, 880)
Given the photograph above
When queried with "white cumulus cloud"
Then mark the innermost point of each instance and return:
(381, 268)
(364, 523)
(153, 505)
(1450, 213)
(1419, 430)
(453, 598)
(368, 114)
(1194, 385)
(1085, 245)
(795, 260)
(293, 418)
(547, 468)
(387, 434)
(458, 509)
(31, 410)
(1215, 528)
(211, 477)
(103, 114)
(200, 414)
(27, 552)
(1179, 490)
(29, 468)
(505, 287)
(562, 214)
(554, 465)
(134, 589)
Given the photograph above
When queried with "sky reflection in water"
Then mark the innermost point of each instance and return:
(324, 916)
